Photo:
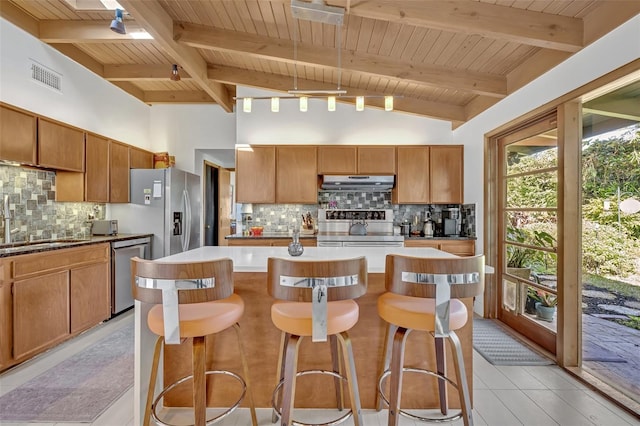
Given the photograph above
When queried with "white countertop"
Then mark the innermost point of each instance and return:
(254, 259)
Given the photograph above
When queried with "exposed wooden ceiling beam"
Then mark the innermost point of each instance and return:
(131, 89)
(177, 97)
(80, 57)
(133, 72)
(19, 18)
(85, 32)
(316, 56)
(153, 18)
(470, 17)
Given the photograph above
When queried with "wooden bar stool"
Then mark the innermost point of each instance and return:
(422, 294)
(315, 299)
(192, 300)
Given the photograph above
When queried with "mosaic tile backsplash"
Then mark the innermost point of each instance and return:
(282, 217)
(35, 215)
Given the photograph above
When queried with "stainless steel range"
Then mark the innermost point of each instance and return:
(357, 228)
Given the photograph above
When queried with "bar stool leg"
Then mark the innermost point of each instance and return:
(337, 368)
(441, 368)
(289, 386)
(463, 386)
(284, 339)
(245, 372)
(152, 380)
(352, 379)
(199, 381)
(388, 345)
(397, 361)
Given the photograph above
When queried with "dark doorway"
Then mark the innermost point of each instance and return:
(211, 204)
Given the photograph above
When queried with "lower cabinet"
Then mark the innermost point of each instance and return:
(51, 296)
(457, 247)
(40, 313)
(269, 242)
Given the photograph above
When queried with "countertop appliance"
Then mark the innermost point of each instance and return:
(104, 227)
(165, 203)
(334, 226)
(121, 254)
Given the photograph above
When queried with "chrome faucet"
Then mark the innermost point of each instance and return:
(6, 214)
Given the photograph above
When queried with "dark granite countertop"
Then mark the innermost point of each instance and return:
(17, 248)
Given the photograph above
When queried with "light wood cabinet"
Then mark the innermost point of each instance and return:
(50, 296)
(457, 247)
(97, 169)
(296, 174)
(41, 313)
(60, 147)
(446, 174)
(17, 135)
(140, 158)
(256, 175)
(118, 172)
(337, 160)
(429, 174)
(269, 242)
(412, 180)
(90, 296)
(377, 160)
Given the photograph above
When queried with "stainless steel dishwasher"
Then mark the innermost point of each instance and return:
(121, 254)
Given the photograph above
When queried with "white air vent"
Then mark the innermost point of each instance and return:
(46, 76)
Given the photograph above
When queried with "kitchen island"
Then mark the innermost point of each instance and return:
(261, 338)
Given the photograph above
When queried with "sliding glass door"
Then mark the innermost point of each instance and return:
(528, 227)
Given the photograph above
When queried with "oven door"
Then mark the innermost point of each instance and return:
(373, 244)
(329, 243)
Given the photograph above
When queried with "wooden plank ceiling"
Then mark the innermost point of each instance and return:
(446, 60)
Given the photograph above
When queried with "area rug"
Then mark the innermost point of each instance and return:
(499, 348)
(78, 389)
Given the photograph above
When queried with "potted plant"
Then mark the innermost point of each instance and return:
(545, 305)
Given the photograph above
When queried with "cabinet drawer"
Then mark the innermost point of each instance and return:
(39, 263)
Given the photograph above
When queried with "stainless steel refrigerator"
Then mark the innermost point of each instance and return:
(165, 203)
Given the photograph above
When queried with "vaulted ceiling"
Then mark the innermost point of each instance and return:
(448, 60)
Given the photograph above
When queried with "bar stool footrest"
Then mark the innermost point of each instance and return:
(212, 420)
(337, 421)
(404, 413)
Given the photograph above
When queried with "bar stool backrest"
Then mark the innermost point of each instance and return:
(435, 278)
(294, 280)
(196, 282)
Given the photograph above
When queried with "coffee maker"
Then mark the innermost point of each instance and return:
(438, 225)
(451, 225)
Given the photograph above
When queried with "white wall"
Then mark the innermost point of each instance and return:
(182, 129)
(87, 101)
(343, 126)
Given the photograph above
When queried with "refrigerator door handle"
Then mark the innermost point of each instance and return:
(186, 234)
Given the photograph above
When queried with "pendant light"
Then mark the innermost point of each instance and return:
(331, 103)
(246, 105)
(117, 25)
(359, 103)
(175, 74)
(304, 103)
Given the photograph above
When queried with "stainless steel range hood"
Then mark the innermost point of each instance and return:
(357, 182)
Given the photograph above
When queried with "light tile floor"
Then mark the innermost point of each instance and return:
(536, 395)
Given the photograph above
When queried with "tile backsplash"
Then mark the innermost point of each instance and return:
(35, 214)
(281, 217)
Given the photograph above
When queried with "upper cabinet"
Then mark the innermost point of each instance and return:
(413, 182)
(377, 160)
(446, 174)
(60, 147)
(97, 173)
(256, 174)
(118, 172)
(337, 160)
(17, 135)
(429, 175)
(346, 160)
(140, 159)
(296, 174)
